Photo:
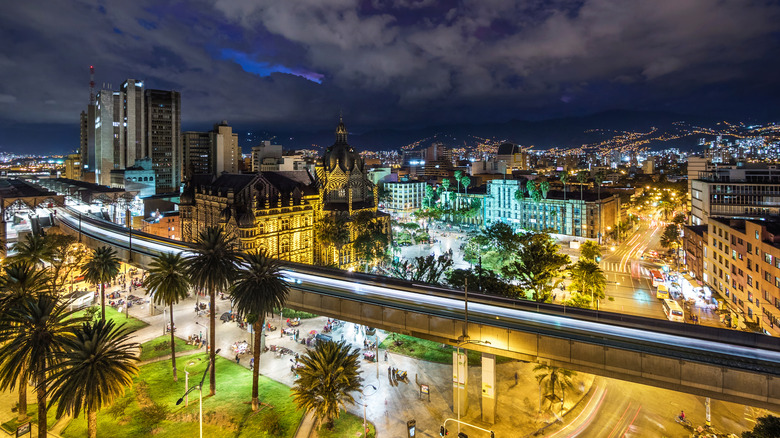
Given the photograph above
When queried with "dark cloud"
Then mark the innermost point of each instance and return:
(390, 63)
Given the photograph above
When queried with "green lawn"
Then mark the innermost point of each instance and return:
(228, 414)
(290, 313)
(430, 351)
(162, 347)
(347, 425)
(119, 318)
(32, 413)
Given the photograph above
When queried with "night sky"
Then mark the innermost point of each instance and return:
(295, 64)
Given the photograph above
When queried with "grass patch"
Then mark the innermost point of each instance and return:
(347, 425)
(290, 313)
(154, 394)
(32, 416)
(119, 318)
(431, 351)
(162, 347)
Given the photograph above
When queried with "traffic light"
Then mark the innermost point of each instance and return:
(442, 431)
(492, 435)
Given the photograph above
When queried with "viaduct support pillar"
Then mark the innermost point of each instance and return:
(460, 380)
(489, 388)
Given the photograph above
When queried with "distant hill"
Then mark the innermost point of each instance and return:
(562, 132)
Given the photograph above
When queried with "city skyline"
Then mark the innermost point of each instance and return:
(386, 64)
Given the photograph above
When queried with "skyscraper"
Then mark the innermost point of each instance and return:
(211, 152)
(129, 125)
(163, 131)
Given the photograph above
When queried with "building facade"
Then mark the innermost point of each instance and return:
(588, 217)
(211, 152)
(73, 166)
(274, 211)
(404, 198)
(736, 191)
(345, 192)
(694, 242)
(163, 142)
(165, 225)
(139, 177)
(742, 264)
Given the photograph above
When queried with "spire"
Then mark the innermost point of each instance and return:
(341, 131)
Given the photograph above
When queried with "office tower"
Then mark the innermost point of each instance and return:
(163, 143)
(133, 123)
(108, 109)
(266, 156)
(211, 152)
(87, 141)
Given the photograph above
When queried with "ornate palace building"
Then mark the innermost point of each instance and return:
(271, 210)
(345, 193)
(279, 210)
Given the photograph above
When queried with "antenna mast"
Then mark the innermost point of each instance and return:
(91, 85)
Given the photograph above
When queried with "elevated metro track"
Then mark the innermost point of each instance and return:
(724, 364)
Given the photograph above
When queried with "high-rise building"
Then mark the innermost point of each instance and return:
(131, 124)
(163, 143)
(73, 166)
(211, 153)
(266, 156)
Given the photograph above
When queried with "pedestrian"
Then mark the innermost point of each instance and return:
(237, 358)
(252, 363)
(385, 356)
(515, 378)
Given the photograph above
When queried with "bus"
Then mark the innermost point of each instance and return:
(657, 276)
(673, 311)
(663, 292)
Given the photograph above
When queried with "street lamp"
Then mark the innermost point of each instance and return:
(187, 381)
(199, 387)
(363, 392)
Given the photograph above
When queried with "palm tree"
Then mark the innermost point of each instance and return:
(34, 249)
(582, 176)
(458, 176)
(332, 230)
(590, 250)
(97, 365)
(599, 178)
(466, 181)
(21, 280)
(445, 183)
(212, 268)
(34, 333)
(588, 276)
(102, 268)
(564, 177)
(168, 283)
(330, 374)
(552, 378)
(258, 290)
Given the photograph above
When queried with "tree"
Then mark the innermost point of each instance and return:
(21, 280)
(589, 250)
(588, 278)
(428, 269)
(445, 183)
(332, 231)
(598, 179)
(766, 427)
(168, 283)
(552, 378)
(484, 280)
(537, 266)
(329, 376)
(33, 249)
(544, 187)
(520, 193)
(466, 181)
(33, 334)
(258, 290)
(102, 268)
(582, 176)
(564, 177)
(212, 267)
(458, 176)
(66, 256)
(98, 363)
(371, 242)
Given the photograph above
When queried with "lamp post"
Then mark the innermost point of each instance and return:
(464, 340)
(364, 403)
(187, 382)
(199, 387)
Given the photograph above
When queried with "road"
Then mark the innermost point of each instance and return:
(621, 409)
(627, 275)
